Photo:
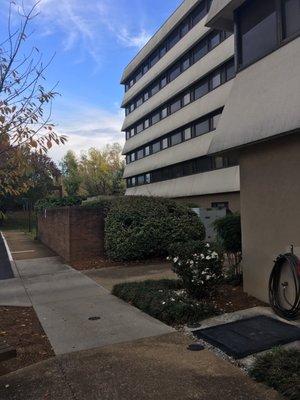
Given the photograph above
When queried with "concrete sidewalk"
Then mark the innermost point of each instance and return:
(157, 368)
(75, 312)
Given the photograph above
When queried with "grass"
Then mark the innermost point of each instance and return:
(165, 300)
(279, 369)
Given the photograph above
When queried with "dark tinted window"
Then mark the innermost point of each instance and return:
(215, 120)
(257, 30)
(175, 37)
(175, 106)
(156, 147)
(291, 13)
(139, 128)
(230, 70)
(201, 89)
(140, 179)
(154, 58)
(214, 40)
(200, 51)
(175, 71)
(184, 28)
(202, 127)
(140, 154)
(155, 117)
(155, 89)
(215, 80)
(199, 13)
(176, 138)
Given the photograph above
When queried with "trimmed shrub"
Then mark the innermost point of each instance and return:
(143, 227)
(279, 369)
(199, 270)
(102, 202)
(56, 202)
(165, 300)
(229, 232)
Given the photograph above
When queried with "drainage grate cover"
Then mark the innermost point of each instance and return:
(248, 336)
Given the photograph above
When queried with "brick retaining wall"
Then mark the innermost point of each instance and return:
(74, 233)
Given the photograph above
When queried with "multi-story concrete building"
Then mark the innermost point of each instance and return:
(175, 91)
(261, 123)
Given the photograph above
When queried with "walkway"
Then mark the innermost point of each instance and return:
(159, 368)
(76, 313)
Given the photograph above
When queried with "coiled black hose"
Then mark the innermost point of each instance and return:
(276, 287)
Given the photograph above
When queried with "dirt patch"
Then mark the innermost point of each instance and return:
(232, 298)
(21, 329)
(98, 263)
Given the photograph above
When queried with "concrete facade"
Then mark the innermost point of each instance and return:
(269, 208)
(261, 122)
(219, 182)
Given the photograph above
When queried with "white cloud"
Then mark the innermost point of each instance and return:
(85, 126)
(84, 24)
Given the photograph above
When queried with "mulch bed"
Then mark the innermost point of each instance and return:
(232, 298)
(21, 329)
(97, 263)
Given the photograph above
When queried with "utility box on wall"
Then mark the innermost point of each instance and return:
(74, 233)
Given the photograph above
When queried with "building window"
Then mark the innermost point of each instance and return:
(186, 99)
(214, 40)
(215, 120)
(200, 51)
(291, 17)
(155, 117)
(155, 89)
(163, 82)
(202, 127)
(230, 70)
(176, 138)
(215, 80)
(219, 162)
(257, 30)
(148, 178)
(201, 90)
(188, 133)
(141, 179)
(164, 112)
(156, 147)
(220, 205)
(132, 157)
(175, 71)
(164, 143)
(175, 106)
(185, 63)
(140, 154)
(146, 123)
(147, 151)
(139, 128)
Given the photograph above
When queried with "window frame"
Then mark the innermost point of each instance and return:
(281, 40)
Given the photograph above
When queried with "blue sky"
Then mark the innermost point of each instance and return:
(93, 40)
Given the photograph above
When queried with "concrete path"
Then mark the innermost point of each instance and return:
(75, 312)
(159, 368)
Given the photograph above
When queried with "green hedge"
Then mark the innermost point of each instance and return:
(229, 232)
(164, 300)
(143, 227)
(56, 202)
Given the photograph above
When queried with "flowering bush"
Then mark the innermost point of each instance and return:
(200, 271)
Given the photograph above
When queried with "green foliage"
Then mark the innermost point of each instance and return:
(143, 227)
(70, 172)
(102, 202)
(234, 275)
(165, 300)
(279, 369)
(56, 202)
(199, 268)
(229, 232)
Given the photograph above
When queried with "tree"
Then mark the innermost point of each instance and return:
(102, 171)
(25, 105)
(70, 173)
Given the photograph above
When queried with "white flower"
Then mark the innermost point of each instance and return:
(173, 299)
(163, 303)
(214, 254)
(207, 245)
(202, 256)
(208, 257)
(175, 259)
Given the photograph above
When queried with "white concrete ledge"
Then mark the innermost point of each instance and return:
(220, 181)
(162, 32)
(206, 104)
(192, 148)
(172, 55)
(212, 60)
